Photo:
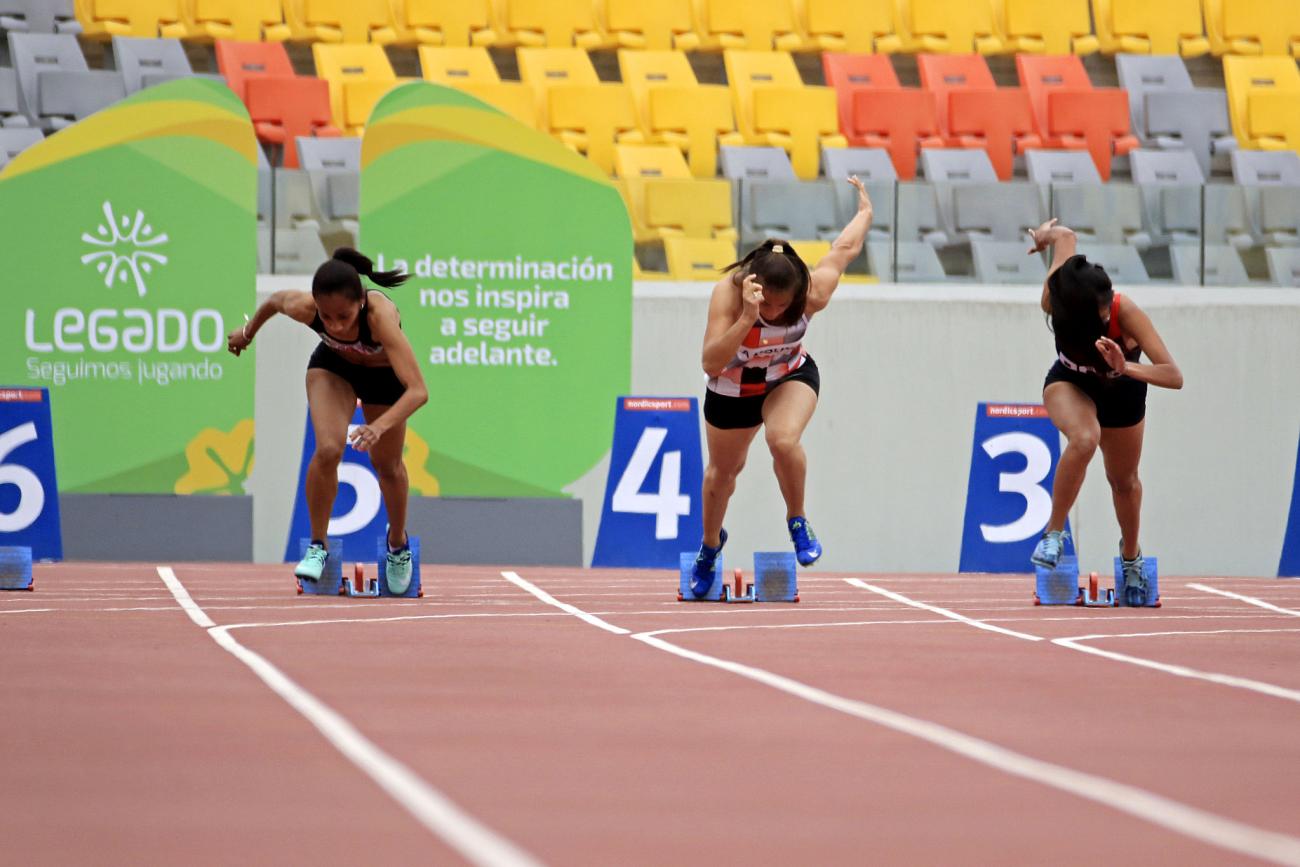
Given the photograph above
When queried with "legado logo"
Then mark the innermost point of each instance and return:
(127, 254)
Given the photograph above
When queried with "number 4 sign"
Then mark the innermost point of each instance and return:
(1009, 496)
(29, 498)
(652, 497)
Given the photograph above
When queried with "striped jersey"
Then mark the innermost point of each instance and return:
(768, 354)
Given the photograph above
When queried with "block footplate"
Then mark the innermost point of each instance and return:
(1060, 586)
(16, 568)
(774, 580)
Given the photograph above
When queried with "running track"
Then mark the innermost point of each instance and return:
(167, 713)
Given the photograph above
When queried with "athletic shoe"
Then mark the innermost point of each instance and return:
(806, 547)
(1135, 579)
(702, 571)
(313, 563)
(397, 570)
(1048, 551)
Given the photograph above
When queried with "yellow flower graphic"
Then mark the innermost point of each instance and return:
(219, 463)
(414, 455)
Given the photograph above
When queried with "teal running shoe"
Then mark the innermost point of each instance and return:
(1048, 551)
(806, 547)
(397, 570)
(702, 571)
(1135, 579)
(313, 563)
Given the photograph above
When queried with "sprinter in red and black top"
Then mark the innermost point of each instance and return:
(1096, 393)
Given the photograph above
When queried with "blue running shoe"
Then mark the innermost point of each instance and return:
(806, 547)
(1135, 579)
(1048, 551)
(313, 563)
(702, 571)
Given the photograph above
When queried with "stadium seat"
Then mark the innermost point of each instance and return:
(146, 62)
(1195, 120)
(1070, 113)
(240, 62)
(1150, 27)
(1245, 76)
(848, 73)
(1265, 168)
(844, 25)
(1225, 217)
(283, 108)
(787, 209)
(748, 25)
(1005, 262)
(1274, 118)
(67, 96)
(1102, 213)
(39, 16)
(900, 121)
(656, 26)
(1154, 170)
(946, 168)
(692, 209)
(11, 114)
(296, 251)
(1141, 74)
(544, 68)
(1058, 27)
(740, 163)
(1223, 266)
(673, 108)
(243, 20)
(873, 167)
(1121, 262)
(997, 211)
(471, 70)
(358, 77)
(904, 262)
(554, 23)
(634, 166)
(1254, 27)
(1041, 75)
(1283, 265)
(590, 118)
(774, 107)
(953, 26)
(101, 19)
(15, 140)
(328, 154)
(38, 58)
(942, 74)
(1279, 214)
(1061, 167)
(352, 22)
(698, 259)
(453, 23)
(974, 113)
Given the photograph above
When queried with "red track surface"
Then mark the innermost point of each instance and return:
(132, 736)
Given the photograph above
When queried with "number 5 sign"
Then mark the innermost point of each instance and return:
(1009, 496)
(652, 497)
(29, 495)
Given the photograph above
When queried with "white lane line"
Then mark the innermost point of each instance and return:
(26, 610)
(1146, 806)
(1248, 599)
(943, 612)
(930, 622)
(473, 840)
(1182, 670)
(541, 594)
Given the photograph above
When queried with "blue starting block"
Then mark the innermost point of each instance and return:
(1059, 586)
(331, 580)
(16, 568)
(415, 590)
(774, 577)
(684, 593)
(1152, 599)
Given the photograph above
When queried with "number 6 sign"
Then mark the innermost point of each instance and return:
(1009, 495)
(29, 494)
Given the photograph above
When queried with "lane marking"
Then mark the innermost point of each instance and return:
(943, 612)
(1139, 803)
(473, 840)
(1248, 599)
(26, 610)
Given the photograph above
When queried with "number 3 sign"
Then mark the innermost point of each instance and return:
(1009, 496)
(29, 495)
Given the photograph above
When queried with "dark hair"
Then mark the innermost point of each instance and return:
(1078, 290)
(779, 272)
(342, 275)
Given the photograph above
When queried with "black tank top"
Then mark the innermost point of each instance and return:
(365, 344)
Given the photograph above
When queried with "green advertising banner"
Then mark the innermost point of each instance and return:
(520, 303)
(130, 251)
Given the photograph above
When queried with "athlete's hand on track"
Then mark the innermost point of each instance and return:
(1042, 236)
(751, 295)
(1111, 351)
(365, 437)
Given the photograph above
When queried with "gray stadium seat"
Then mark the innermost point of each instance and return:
(1284, 265)
(1223, 266)
(945, 168)
(39, 16)
(1279, 214)
(1154, 169)
(1196, 120)
(1262, 168)
(297, 251)
(1142, 74)
(67, 96)
(996, 211)
(917, 262)
(1226, 218)
(11, 114)
(15, 140)
(876, 171)
(1006, 262)
(40, 58)
(755, 163)
(797, 210)
(295, 203)
(329, 154)
(343, 201)
(146, 62)
(1104, 213)
(1121, 262)
(333, 166)
(1061, 167)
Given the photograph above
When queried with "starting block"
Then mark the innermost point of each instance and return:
(684, 593)
(331, 580)
(738, 590)
(1059, 586)
(1152, 599)
(16, 568)
(1090, 597)
(360, 586)
(774, 580)
(415, 590)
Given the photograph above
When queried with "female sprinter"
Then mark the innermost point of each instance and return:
(1096, 394)
(363, 355)
(760, 376)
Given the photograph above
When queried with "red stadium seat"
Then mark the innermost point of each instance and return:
(999, 121)
(1041, 74)
(900, 121)
(848, 73)
(241, 61)
(1092, 119)
(283, 108)
(943, 73)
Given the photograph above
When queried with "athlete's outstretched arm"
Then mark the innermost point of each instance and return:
(1063, 242)
(847, 247)
(1162, 371)
(294, 304)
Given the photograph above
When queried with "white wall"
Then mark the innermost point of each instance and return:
(889, 448)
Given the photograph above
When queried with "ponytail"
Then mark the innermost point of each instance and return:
(779, 269)
(1077, 291)
(343, 273)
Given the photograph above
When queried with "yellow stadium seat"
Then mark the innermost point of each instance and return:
(1058, 27)
(844, 25)
(698, 258)
(590, 118)
(454, 23)
(774, 107)
(1267, 27)
(103, 19)
(554, 23)
(650, 161)
(241, 20)
(347, 21)
(953, 26)
(748, 25)
(544, 68)
(691, 209)
(358, 76)
(1150, 27)
(472, 70)
(656, 26)
(1245, 75)
(1274, 117)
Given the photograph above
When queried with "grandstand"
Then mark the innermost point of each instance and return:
(1155, 128)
